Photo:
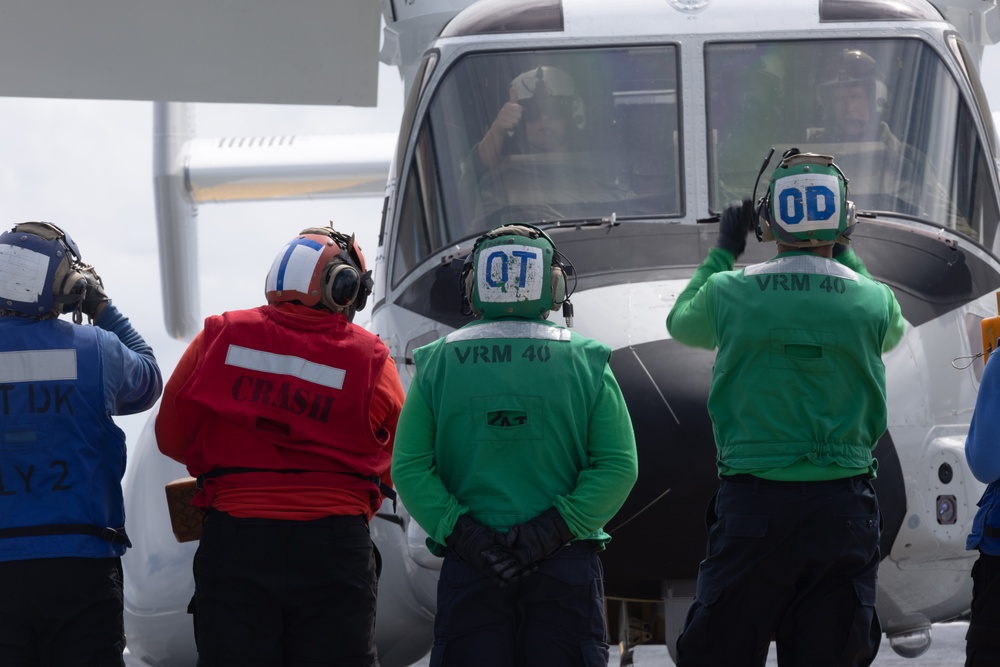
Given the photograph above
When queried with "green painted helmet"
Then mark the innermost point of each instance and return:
(806, 202)
(513, 271)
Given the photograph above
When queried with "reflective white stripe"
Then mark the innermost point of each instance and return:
(37, 365)
(803, 264)
(509, 329)
(284, 364)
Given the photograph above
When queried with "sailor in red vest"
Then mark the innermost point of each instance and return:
(62, 514)
(286, 414)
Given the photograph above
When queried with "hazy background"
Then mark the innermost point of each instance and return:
(88, 167)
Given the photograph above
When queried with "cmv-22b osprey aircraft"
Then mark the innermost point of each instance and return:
(623, 129)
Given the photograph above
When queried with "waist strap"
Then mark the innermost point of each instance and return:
(991, 531)
(386, 490)
(113, 535)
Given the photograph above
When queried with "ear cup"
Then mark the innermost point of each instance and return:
(68, 289)
(852, 217)
(558, 280)
(468, 286)
(762, 220)
(367, 282)
(340, 285)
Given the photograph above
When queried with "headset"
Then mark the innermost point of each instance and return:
(560, 270)
(764, 225)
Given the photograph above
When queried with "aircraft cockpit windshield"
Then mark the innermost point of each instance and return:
(534, 136)
(583, 134)
(888, 110)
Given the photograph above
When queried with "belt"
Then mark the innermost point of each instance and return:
(219, 517)
(747, 478)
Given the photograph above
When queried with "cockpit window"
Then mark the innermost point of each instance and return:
(538, 136)
(887, 110)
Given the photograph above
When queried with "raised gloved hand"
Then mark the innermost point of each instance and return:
(529, 543)
(470, 540)
(734, 225)
(94, 297)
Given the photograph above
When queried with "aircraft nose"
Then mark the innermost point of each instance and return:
(665, 385)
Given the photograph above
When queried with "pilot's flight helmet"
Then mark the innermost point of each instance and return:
(854, 66)
(806, 202)
(514, 271)
(320, 268)
(547, 88)
(38, 271)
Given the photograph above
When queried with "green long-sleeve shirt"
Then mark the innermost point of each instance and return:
(798, 385)
(505, 419)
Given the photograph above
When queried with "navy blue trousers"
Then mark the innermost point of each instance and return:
(272, 593)
(553, 617)
(793, 562)
(61, 612)
(982, 648)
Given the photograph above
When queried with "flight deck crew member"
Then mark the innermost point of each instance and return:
(982, 647)
(62, 513)
(286, 414)
(515, 447)
(797, 403)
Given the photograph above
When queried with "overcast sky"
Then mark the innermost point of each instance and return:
(88, 165)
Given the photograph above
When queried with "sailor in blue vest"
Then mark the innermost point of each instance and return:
(983, 454)
(62, 517)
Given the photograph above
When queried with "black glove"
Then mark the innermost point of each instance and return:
(530, 543)
(839, 249)
(470, 540)
(734, 225)
(95, 295)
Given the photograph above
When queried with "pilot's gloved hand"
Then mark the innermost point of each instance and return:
(535, 540)
(94, 298)
(470, 540)
(734, 225)
(509, 116)
(839, 249)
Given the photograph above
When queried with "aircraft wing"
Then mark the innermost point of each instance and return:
(189, 171)
(251, 51)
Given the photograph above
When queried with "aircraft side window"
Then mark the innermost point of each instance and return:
(420, 230)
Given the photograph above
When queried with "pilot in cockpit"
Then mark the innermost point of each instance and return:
(854, 97)
(889, 173)
(855, 100)
(530, 164)
(541, 113)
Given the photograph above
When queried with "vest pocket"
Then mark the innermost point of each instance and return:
(805, 351)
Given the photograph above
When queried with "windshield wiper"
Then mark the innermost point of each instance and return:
(609, 221)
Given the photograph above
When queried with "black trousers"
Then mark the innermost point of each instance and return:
(61, 612)
(982, 641)
(553, 617)
(285, 593)
(793, 562)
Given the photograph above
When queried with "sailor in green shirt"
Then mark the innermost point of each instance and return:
(798, 403)
(514, 448)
